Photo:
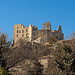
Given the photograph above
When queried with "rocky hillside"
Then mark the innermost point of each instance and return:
(32, 51)
(25, 50)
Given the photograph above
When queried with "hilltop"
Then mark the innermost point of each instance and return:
(30, 52)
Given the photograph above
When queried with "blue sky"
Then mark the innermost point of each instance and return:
(37, 12)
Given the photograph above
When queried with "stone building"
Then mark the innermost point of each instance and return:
(32, 33)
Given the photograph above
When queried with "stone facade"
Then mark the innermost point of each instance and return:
(32, 33)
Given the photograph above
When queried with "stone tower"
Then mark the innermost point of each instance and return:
(60, 29)
(47, 25)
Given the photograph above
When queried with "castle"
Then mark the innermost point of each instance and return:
(32, 33)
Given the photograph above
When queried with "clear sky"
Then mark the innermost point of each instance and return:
(37, 12)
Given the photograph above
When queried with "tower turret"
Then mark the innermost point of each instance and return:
(60, 29)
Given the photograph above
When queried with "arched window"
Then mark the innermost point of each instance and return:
(45, 28)
(34, 28)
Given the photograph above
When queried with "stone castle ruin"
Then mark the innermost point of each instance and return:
(32, 33)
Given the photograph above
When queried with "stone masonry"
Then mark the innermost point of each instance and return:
(32, 33)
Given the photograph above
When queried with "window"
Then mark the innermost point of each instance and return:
(17, 27)
(34, 28)
(22, 35)
(17, 35)
(26, 30)
(22, 31)
(45, 27)
(26, 35)
(17, 31)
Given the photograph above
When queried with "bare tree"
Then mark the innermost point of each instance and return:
(72, 36)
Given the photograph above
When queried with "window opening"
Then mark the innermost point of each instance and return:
(22, 31)
(17, 31)
(22, 35)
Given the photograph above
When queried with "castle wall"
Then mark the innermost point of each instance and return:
(32, 33)
(20, 31)
(47, 26)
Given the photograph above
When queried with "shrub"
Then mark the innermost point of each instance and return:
(53, 40)
(4, 72)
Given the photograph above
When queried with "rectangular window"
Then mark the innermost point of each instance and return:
(17, 35)
(17, 31)
(26, 35)
(17, 27)
(22, 35)
(26, 30)
(22, 31)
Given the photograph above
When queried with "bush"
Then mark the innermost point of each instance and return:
(4, 72)
(53, 40)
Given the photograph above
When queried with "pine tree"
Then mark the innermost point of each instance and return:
(66, 60)
(3, 45)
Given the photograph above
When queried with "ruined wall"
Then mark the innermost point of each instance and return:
(20, 31)
(45, 34)
(47, 26)
(32, 33)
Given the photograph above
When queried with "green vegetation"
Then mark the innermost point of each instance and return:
(4, 72)
(4, 45)
(61, 60)
(65, 63)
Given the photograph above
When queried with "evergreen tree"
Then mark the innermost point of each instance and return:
(65, 63)
(3, 46)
